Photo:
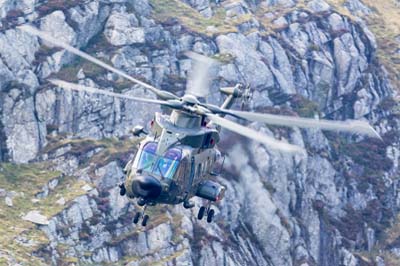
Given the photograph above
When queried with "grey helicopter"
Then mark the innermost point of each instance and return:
(176, 159)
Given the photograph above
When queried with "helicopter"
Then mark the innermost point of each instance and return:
(176, 159)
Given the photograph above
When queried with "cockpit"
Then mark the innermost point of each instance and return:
(164, 166)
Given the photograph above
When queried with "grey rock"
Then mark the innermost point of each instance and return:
(6, 75)
(55, 25)
(133, 62)
(36, 217)
(356, 7)
(236, 9)
(89, 20)
(26, 6)
(348, 62)
(380, 261)
(17, 53)
(370, 238)
(284, 3)
(61, 201)
(348, 258)
(122, 29)
(203, 6)
(280, 22)
(44, 193)
(277, 206)
(159, 237)
(336, 22)
(3, 192)
(363, 104)
(53, 184)
(84, 206)
(87, 188)
(8, 201)
(74, 215)
(318, 6)
(109, 175)
(255, 72)
(25, 136)
(141, 7)
(264, 220)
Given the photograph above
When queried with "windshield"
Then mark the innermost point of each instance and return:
(165, 166)
(148, 157)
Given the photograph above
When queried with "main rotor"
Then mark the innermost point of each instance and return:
(198, 87)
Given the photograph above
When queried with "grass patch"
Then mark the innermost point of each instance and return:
(27, 180)
(304, 107)
(224, 58)
(166, 11)
(69, 72)
(110, 149)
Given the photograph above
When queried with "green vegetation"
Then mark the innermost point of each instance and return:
(106, 150)
(224, 58)
(53, 5)
(370, 154)
(69, 73)
(304, 107)
(27, 181)
(171, 10)
(269, 186)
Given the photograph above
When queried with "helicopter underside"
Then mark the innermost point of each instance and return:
(149, 191)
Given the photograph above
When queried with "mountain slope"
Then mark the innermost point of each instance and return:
(336, 205)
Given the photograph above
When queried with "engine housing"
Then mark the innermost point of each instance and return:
(210, 190)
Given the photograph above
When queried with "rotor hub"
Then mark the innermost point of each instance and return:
(190, 99)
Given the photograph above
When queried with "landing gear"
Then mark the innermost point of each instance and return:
(137, 217)
(206, 211)
(210, 215)
(145, 219)
(202, 210)
(141, 202)
(141, 215)
(122, 189)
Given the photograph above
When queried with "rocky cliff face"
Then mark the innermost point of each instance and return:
(336, 205)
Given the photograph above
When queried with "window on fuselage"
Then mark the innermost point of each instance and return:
(148, 157)
(168, 164)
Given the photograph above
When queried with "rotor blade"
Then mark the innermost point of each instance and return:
(255, 135)
(45, 36)
(199, 77)
(77, 87)
(353, 126)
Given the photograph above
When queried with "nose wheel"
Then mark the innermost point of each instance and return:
(206, 211)
(141, 215)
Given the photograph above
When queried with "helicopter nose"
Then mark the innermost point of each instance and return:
(146, 186)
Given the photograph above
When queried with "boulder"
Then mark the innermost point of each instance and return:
(8, 201)
(36, 217)
(123, 29)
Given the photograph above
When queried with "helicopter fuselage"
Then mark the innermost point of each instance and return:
(175, 161)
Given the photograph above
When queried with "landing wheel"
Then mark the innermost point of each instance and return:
(137, 217)
(202, 210)
(122, 190)
(141, 202)
(210, 215)
(145, 219)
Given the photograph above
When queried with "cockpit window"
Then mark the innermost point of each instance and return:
(167, 165)
(164, 166)
(148, 157)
